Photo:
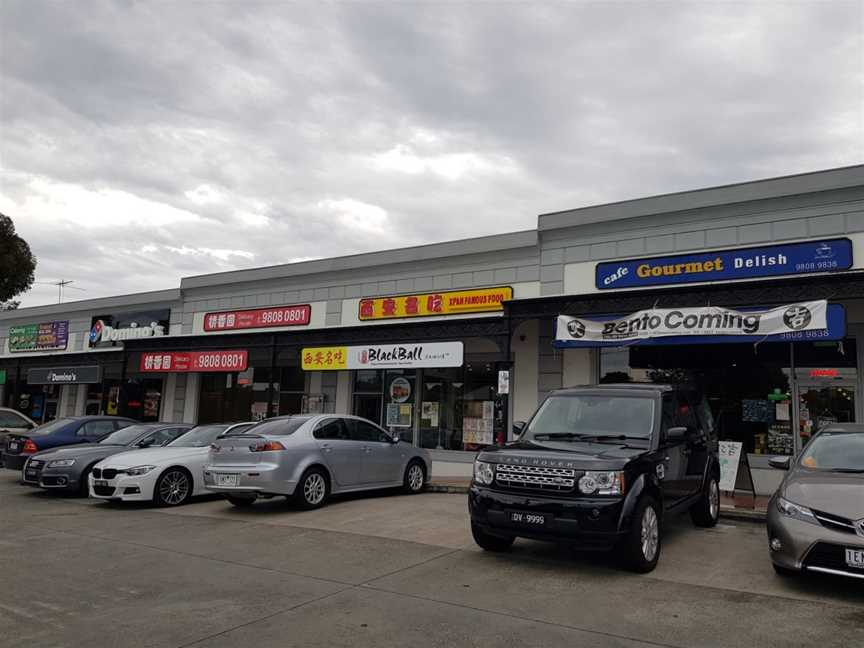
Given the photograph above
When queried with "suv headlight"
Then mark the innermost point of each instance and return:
(58, 463)
(139, 470)
(795, 511)
(602, 483)
(484, 473)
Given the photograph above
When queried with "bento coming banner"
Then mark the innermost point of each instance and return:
(705, 320)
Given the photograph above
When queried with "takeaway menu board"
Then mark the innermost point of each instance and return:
(46, 336)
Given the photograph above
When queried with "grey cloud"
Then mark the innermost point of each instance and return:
(281, 106)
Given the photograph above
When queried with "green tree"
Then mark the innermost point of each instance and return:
(17, 263)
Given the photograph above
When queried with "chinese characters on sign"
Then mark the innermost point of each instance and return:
(377, 356)
(185, 361)
(258, 318)
(454, 302)
(47, 336)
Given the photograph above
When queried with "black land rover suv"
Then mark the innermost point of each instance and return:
(601, 467)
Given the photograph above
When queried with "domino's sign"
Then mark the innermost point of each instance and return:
(830, 255)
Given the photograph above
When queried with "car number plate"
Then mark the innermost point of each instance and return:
(13, 445)
(31, 474)
(855, 558)
(226, 480)
(100, 482)
(530, 519)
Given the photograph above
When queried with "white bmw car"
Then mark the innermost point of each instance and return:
(167, 476)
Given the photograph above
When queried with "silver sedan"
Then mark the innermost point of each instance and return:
(308, 458)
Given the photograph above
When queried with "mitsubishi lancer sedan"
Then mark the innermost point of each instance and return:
(816, 517)
(308, 458)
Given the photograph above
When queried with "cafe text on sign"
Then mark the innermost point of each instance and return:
(258, 318)
(190, 361)
(451, 302)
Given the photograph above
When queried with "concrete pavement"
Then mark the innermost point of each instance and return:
(381, 571)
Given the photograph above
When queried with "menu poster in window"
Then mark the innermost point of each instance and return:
(488, 410)
(476, 431)
(399, 415)
(756, 411)
(781, 411)
(429, 412)
(780, 440)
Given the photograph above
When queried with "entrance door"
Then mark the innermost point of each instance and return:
(820, 404)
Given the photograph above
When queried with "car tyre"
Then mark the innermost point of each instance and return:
(313, 489)
(489, 542)
(241, 502)
(783, 571)
(415, 477)
(84, 483)
(706, 511)
(640, 548)
(173, 488)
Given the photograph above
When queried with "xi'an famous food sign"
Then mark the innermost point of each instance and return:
(434, 304)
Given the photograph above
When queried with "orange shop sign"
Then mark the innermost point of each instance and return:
(451, 302)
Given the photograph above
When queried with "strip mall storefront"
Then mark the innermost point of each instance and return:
(777, 359)
(393, 369)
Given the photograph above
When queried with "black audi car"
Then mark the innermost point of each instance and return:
(601, 467)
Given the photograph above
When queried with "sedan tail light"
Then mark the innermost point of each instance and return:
(266, 446)
(29, 447)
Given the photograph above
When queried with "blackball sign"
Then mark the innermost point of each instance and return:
(702, 321)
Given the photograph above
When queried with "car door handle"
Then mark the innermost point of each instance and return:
(367, 449)
(326, 447)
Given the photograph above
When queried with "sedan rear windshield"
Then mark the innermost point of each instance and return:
(48, 428)
(280, 426)
(594, 415)
(835, 452)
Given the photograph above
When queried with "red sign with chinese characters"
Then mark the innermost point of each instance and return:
(188, 361)
(258, 318)
(824, 373)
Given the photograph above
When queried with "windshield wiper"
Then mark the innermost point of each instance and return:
(558, 435)
(611, 437)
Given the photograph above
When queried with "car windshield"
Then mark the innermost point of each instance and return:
(835, 452)
(279, 426)
(198, 437)
(571, 417)
(48, 428)
(126, 435)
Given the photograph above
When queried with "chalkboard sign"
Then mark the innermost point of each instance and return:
(757, 411)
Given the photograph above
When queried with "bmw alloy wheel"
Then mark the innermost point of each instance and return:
(314, 489)
(174, 487)
(650, 533)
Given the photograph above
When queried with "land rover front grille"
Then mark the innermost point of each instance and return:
(535, 477)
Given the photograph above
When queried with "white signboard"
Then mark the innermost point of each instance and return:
(704, 320)
(504, 381)
(730, 458)
(383, 356)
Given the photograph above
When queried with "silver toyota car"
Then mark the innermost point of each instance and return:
(308, 458)
(816, 517)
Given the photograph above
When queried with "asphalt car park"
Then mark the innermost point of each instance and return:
(382, 570)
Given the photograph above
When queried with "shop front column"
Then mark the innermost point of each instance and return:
(525, 372)
(578, 367)
(80, 406)
(190, 403)
(166, 409)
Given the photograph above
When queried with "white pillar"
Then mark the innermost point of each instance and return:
(526, 365)
(169, 394)
(190, 404)
(81, 401)
(343, 393)
(578, 367)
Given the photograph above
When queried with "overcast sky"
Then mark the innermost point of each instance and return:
(142, 142)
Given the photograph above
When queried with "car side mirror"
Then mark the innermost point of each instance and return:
(780, 463)
(396, 437)
(518, 428)
(146, 443)
(28, 426)
(676, 434)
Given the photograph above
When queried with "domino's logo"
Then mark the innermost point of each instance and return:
(96, 331)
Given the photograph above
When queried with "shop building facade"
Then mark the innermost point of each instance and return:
(361, 334)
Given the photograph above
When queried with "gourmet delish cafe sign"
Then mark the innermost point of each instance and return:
(830, 255)
(702, 321)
